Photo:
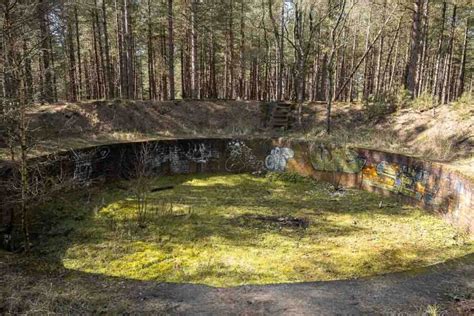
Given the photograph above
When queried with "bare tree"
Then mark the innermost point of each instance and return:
(142, 172)
(335, 32)
(29, 184)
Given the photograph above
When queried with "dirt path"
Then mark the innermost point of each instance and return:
(407, 292)
(75, 292)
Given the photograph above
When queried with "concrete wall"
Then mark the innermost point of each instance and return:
(423, 183)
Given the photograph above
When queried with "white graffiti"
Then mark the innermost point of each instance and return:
(84, 161)
(241, 158)
(160, 155)
(278, 158)
(179, 157)
(200, 153)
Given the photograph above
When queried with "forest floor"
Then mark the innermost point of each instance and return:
(443, 289)
(94, 255)
(227, 230)
(445, 133)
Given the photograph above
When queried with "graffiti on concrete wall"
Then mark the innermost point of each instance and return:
(407, 180)
(84, 163)
(338, 159)
(278, 158)
(201, 153)
(241, 158)
(179, 157)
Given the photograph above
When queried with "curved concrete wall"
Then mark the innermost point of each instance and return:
(424, 183)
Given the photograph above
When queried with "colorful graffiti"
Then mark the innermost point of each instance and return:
(407, 180)
(278, 158)
(337, 159)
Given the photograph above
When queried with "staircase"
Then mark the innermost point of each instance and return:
(281, 116)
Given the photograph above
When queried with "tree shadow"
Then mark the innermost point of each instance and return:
(70, 224)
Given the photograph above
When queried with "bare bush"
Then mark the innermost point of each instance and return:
(143, 174)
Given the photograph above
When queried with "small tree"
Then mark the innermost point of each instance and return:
(28, 183)
(143, 173)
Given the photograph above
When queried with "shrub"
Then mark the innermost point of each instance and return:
(402, 98)
(423, 102)
(380, 105)
(464, 102)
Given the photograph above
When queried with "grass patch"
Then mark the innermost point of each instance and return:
(212, 230)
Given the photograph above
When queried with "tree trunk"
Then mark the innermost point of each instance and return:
(242, 53)
(414, 48)
(230, 52)
(194, 55)
(103, 66)
(109, 70)
(439, 57)
(47, 88)
(462, 71)
(72, 83)
(151, 60)
(98, 79)
(353, 54)
(170, 50)
(79, 61)
(120, 48)
(445, 92)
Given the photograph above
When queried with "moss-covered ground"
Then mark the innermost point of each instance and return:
(212, 229)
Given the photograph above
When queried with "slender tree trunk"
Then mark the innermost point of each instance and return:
(212, 71)
(170, 50)
(28, 74)
(119, 39)
(194, 55)
(281, 48)
(151, 60)
(462, 71)
(366, 62)
(79, 60)
(414, 48)
(242, 53)
(421, 76)
(230, 56)
(351, 82)
(72, 83)
(439, 57)
(445, 93)
(330, 66)
(129, 50)
(47, 89)
(103, 68)
(98, 78)
(24, 175)
(22, 103)
(109, 70)
(393, 44)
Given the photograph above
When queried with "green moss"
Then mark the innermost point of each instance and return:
(209, 229)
